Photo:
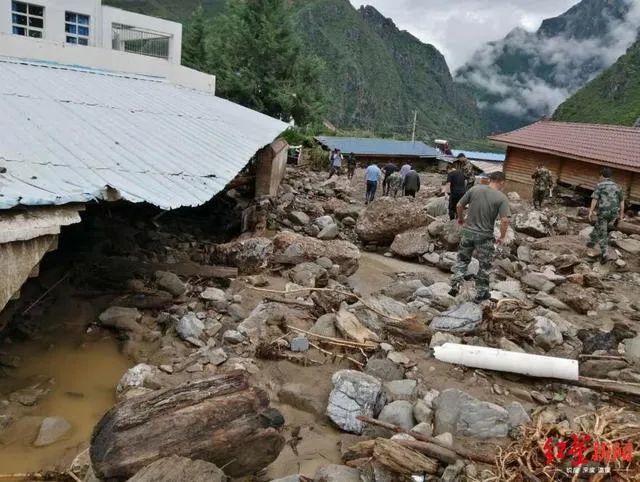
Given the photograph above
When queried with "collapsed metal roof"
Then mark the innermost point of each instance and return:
(481, 156)
(68, 133)
(378, 147)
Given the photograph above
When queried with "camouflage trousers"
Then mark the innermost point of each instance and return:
(539, 197)
(483, 245)
(600, 233)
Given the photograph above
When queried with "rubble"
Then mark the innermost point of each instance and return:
(385, 218)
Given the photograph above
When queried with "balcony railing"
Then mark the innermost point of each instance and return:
(140, 41)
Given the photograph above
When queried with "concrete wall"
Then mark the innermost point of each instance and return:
(99, 58)
(271, 166)
(101, 20)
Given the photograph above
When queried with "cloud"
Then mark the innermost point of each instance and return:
(459, 27)
(555, 67)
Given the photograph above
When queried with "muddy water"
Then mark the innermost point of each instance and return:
(375, 272)
(83, 384)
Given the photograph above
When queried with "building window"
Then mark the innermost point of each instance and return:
(27, 19)
(76, 26)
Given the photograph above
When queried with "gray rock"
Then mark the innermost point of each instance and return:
(402, 289)
(349, 211)
(451, 234)
(382, 220)
(354, 394)
(438, 294)
(412, 244)
(384, 369)
(325, 326)
(439, 338)
(436, 227)
(632, 349)
(323, 222)
(517, 414)
(189, 326)
(299, 344)
(400, 390)
(398, 413)
(511, 288)
(524, 253)
(459, 319)
(237, 312)
(422, 412)
(532, 223)
(551, 302)
(538, 282)
(399, 358)
(300, 397)
(121, 318)
(600, 368)
(309, 275)
(447, 261)
(299, 218)
(328, 233)
(324, 262)
(508, 345)
(629, 245)
(289, 478)
(432, 258)
(381, 304)
(214, 294)
(170, 282)
(445, 438)
(179, 469)
(459, 413)
(233, 337)
(51, 431)
(547, 333)
(423, 428)
(337, 473)
(139, 376)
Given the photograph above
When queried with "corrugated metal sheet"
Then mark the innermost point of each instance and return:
(488, 167)
(378, 147)
(66, 133)
(481, 156)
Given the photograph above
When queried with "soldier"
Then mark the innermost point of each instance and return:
(467, 169)
(351, 165)
(542, 184)
(486, 204)
(609, 201)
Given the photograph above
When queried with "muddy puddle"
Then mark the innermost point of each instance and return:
(77, 373)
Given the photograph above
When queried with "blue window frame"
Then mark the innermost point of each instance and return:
(27, 19)
(76, 25)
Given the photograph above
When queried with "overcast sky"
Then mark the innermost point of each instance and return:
(458, 27)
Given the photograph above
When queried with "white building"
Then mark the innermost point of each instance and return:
(88, 23)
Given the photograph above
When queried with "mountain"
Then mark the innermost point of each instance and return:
(375, 75)
(611, 98)
(526, 75)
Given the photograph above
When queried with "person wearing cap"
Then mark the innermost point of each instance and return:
(608, 201)
(457, 187)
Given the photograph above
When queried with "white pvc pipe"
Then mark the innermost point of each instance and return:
(508, 361)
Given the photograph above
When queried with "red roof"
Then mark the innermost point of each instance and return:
(614, 146)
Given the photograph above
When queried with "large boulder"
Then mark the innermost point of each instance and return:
(459, 413)
(412, 244)
(121, 318)
(179, 469)
(451, 234)
(388, 217)
(629, 245)
(437, 207)
(52, 429)
(532, 223)
(249, 256)
(354, 394)
(309, 275)
(291, 248)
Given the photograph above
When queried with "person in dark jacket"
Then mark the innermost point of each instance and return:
(411, 183)
(457, 182)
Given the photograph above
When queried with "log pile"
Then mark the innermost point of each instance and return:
(222, 420)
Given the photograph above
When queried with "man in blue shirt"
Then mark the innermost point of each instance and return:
(373, 176)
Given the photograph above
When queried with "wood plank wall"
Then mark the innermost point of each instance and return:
(521, 164)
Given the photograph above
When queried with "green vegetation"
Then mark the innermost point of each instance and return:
(611, 98)
(257, 56)
(374, 77)
(194, 42)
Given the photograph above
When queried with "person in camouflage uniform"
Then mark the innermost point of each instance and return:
(467, 169)
(486, 204)
(395, 184)
(542, 184)
(608, 199)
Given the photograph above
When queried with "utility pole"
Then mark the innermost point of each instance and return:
(415, 119)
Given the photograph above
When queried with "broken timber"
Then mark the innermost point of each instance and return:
(221, 420)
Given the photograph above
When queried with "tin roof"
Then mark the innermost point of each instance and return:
(378, 147)
(488, 167)
(614, 146)
(67, 133)
(481, 156)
